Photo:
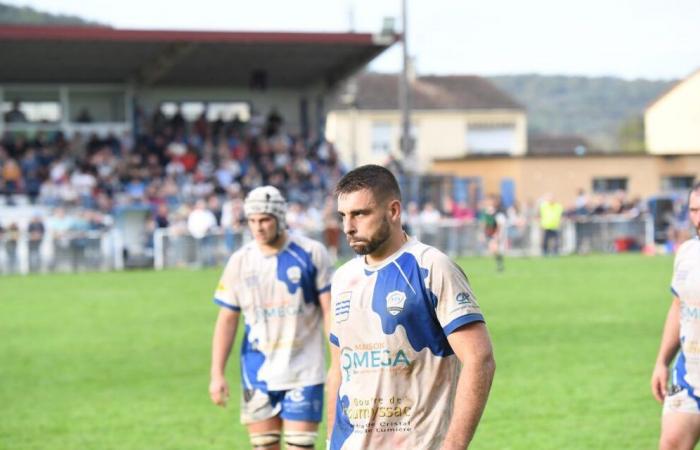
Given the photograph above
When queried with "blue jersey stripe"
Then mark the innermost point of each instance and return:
(334, 340)
(324, 289)
(461, 321)
(226, 305)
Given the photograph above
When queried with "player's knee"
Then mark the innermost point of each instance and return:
(301, 439)
(673, 441)
(267, 439)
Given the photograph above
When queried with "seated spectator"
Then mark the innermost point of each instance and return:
(83, 116)
(15, 115)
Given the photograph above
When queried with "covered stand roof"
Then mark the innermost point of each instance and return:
(71, 54)
(377, 91)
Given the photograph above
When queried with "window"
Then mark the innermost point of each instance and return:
(677, 183)
(381, 138)
(214, 110)
(30, 105)
(28, 111)
(490, 138)
(603, 185)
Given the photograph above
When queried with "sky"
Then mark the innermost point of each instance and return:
(651, 39)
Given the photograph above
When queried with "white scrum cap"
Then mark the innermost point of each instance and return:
(266, 200)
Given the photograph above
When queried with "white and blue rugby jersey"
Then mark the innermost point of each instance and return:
(278, 295)
(399, 373)
(686, 286)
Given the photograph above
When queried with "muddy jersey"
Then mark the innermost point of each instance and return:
(398, 371)
(686, 286)
(279, 297)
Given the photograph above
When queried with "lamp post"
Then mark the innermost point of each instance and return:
(407, 145)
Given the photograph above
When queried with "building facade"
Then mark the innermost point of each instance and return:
(672, 122)
(452, 117)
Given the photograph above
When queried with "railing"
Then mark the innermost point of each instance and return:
(67, 252)
(105, 250)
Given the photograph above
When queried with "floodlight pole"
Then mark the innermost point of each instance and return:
(404, 95)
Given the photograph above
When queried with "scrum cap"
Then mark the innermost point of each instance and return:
(266, 200)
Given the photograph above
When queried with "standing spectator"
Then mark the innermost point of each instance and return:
(11, 241)
(550, 221)
(494, 226)
(429, 223)
(331, 228)
(200, 223)
(36, 232)
(12, 175)
(59, 225)
(233, 221)
(160, 218)
(214, 205)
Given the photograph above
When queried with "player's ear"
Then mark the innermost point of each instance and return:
(394, 210)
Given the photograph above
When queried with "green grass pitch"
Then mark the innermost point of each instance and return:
(121, 360)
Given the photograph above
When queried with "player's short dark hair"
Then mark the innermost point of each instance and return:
(377, 179)
(695, 188)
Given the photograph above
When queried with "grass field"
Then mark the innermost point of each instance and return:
(121, 360)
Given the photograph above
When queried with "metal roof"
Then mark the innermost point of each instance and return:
(377, 91)
(73, 54)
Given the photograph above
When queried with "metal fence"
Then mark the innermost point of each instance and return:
(105, 250)
(69, 252)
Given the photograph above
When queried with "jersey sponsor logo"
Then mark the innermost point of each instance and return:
(278, 312)
(250, 280)
(463, 298)
(395, 301)
(354, 361)
(296, 395)
(342, 307)
(689, 312)
(294, 274)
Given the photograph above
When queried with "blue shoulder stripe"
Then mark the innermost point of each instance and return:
(324, 289)
(226, 305)
(334, 340)
(673, 291)
(459, 322)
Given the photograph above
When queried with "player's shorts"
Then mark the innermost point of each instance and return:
(302, 404)
(681, 399)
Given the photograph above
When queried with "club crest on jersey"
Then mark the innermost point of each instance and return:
(342, 306)
(395, 301)
(463, 298)
(294, 274)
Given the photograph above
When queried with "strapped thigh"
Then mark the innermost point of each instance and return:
(265, 439)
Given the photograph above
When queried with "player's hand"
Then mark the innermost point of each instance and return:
(218, 391)
(659, 381)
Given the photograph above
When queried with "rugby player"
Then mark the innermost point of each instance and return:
(281, 285)
(411, 358)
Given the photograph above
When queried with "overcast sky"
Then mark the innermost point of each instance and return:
(654, 39)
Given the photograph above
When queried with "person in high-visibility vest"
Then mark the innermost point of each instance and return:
(550, 220)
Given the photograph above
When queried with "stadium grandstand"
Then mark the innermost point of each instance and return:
(126, 130)
(135, 148)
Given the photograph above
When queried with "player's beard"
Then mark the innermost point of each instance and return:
(374, 242)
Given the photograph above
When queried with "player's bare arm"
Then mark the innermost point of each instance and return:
(670, 342)
(332, 384)
(472, 345)
(325, 301)
(224, 335)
